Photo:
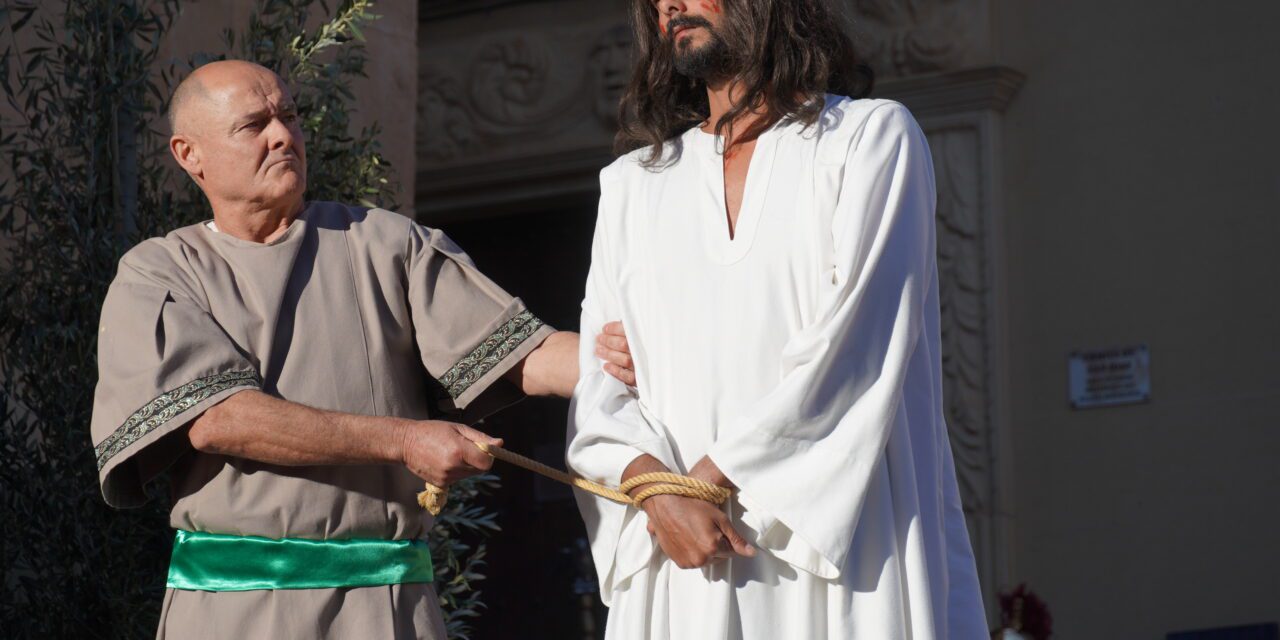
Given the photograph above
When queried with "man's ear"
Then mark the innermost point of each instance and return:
(188, 157)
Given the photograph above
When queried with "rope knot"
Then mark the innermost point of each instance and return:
(434, 498)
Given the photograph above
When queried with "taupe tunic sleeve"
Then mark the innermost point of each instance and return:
(468, 330)
(162, 360)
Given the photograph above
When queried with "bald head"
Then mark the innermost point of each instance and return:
(209, 85)
(237, 133)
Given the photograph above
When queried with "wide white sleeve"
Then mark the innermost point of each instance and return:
(804, 453)
(608, 427)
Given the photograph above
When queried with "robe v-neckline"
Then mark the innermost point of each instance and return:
(722, 248)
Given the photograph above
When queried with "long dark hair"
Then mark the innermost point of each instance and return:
(787, 54)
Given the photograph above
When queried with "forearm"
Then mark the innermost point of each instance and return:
(641, 465)
(551, 369)
(256, 426)
(707, 471)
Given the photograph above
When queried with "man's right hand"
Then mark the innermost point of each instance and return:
(693, 532)
(444, 452)
(613, 348)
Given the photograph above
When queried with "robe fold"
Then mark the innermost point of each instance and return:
(802, 356)
(352, 310)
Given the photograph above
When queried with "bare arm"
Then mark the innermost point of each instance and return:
(552, 368)
(549, 370)
(256, 426)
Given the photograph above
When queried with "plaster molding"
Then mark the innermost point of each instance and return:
(513, 116)
(969, 219)
(908, 37)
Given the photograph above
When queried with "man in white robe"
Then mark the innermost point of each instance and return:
(770, 250)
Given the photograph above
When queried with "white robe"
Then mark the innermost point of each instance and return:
(803, 357)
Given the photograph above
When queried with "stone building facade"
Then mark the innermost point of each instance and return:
(1107, 176)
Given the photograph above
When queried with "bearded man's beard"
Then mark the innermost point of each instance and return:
(710, 61)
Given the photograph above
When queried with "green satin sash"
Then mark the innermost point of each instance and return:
(216, 562)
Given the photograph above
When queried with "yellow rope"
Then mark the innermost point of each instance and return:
(433, 498)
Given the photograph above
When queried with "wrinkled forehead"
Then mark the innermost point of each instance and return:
(252, 92)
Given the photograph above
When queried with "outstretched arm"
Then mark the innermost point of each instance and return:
(552, 368)
(257, 426)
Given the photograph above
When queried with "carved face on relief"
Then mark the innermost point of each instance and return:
(609, 68)
(509, 78)
(692, 29)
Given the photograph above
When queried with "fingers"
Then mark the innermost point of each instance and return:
(476, 458)
(472, 455)
(626, 376)
(477, 436)
(614, 350)
(445, 452)
(613, 343)
(694, 534)
(620, 358)
(736, 542)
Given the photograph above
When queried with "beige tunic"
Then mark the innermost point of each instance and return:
(353, 310)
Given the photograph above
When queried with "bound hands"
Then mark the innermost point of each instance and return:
(692, 532)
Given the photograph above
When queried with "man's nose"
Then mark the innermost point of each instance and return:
(672, 7)
(282, 135)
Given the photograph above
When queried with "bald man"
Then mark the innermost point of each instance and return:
(280, 361)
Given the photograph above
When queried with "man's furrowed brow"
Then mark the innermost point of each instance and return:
(248, 117)
(265, 113)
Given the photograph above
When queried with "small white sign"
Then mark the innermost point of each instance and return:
(1108, 377)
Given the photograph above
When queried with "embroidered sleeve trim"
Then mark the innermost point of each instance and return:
(167, 405)
(462, 375)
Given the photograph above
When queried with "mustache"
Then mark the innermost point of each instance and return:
(687, 22)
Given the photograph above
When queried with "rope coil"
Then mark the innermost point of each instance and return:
(433, 499)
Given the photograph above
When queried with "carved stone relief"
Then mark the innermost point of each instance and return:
(905, 37)
(608, 70)
(501, 98)
(962, 287)
(964, 292)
